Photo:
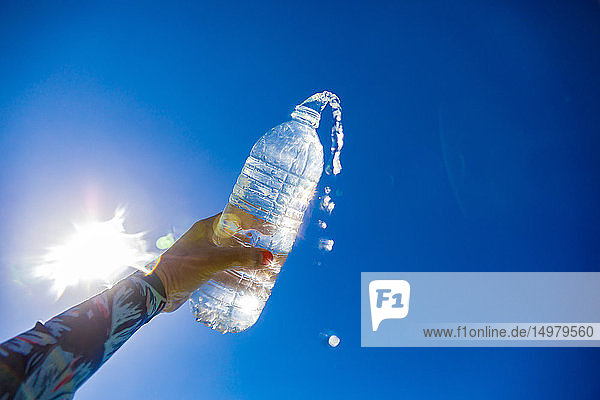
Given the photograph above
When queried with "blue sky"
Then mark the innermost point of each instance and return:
(471, 145)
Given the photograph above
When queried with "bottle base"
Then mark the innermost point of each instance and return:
(220, 308)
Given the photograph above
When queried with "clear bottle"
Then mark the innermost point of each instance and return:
(265, 211)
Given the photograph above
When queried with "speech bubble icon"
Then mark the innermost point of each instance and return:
(389, 300)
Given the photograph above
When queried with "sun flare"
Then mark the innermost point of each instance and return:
(96, 251)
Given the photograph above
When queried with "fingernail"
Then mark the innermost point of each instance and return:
(267, 257)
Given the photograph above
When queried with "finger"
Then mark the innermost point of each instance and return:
(249, 257)
(202, 229)
(210, 220)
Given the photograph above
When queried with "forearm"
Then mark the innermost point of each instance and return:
(55, 358)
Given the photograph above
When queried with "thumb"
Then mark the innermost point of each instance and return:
(248, 257)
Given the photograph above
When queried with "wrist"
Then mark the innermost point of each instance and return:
(155, 281)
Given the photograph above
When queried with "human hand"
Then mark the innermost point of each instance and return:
(194, 257)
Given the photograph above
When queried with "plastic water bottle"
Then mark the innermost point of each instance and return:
(265, 211)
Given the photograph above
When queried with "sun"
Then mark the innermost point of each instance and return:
(96, 251)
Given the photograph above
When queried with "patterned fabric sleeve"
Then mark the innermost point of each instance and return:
(53, 359)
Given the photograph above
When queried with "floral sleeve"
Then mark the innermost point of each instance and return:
(53, 359)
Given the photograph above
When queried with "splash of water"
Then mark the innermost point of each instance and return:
(337, 137)
(309, 111)
(326, 197)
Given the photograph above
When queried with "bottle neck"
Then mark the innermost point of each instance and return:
(307, 115)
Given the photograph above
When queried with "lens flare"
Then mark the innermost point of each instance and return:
(96, 251)
(166, 241)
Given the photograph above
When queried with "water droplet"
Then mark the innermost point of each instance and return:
(325, 244)
(326, 204)
(330, 207)
(334, 341)
(322, 224)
